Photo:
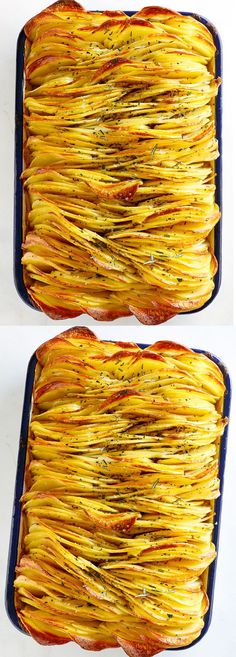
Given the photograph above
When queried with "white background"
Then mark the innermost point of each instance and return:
(17, 347)
(13, 16)
(18, 342)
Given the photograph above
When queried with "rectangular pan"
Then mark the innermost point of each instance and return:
(18, 167)
(19, 485)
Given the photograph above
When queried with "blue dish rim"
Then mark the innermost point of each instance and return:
(18, 190)
(16, 513)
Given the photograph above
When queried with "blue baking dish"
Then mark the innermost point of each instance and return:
(18, 189)
(16, 514)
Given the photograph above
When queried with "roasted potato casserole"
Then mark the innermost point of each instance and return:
(119, 150)
(118, 507)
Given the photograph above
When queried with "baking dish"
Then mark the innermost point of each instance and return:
(16, 516)
(18, 200)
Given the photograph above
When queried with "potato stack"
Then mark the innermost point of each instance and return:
(121, 478)
(119, 186)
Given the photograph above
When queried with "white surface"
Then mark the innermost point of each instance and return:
(18, 342)
(17, 345)
(12, 308)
